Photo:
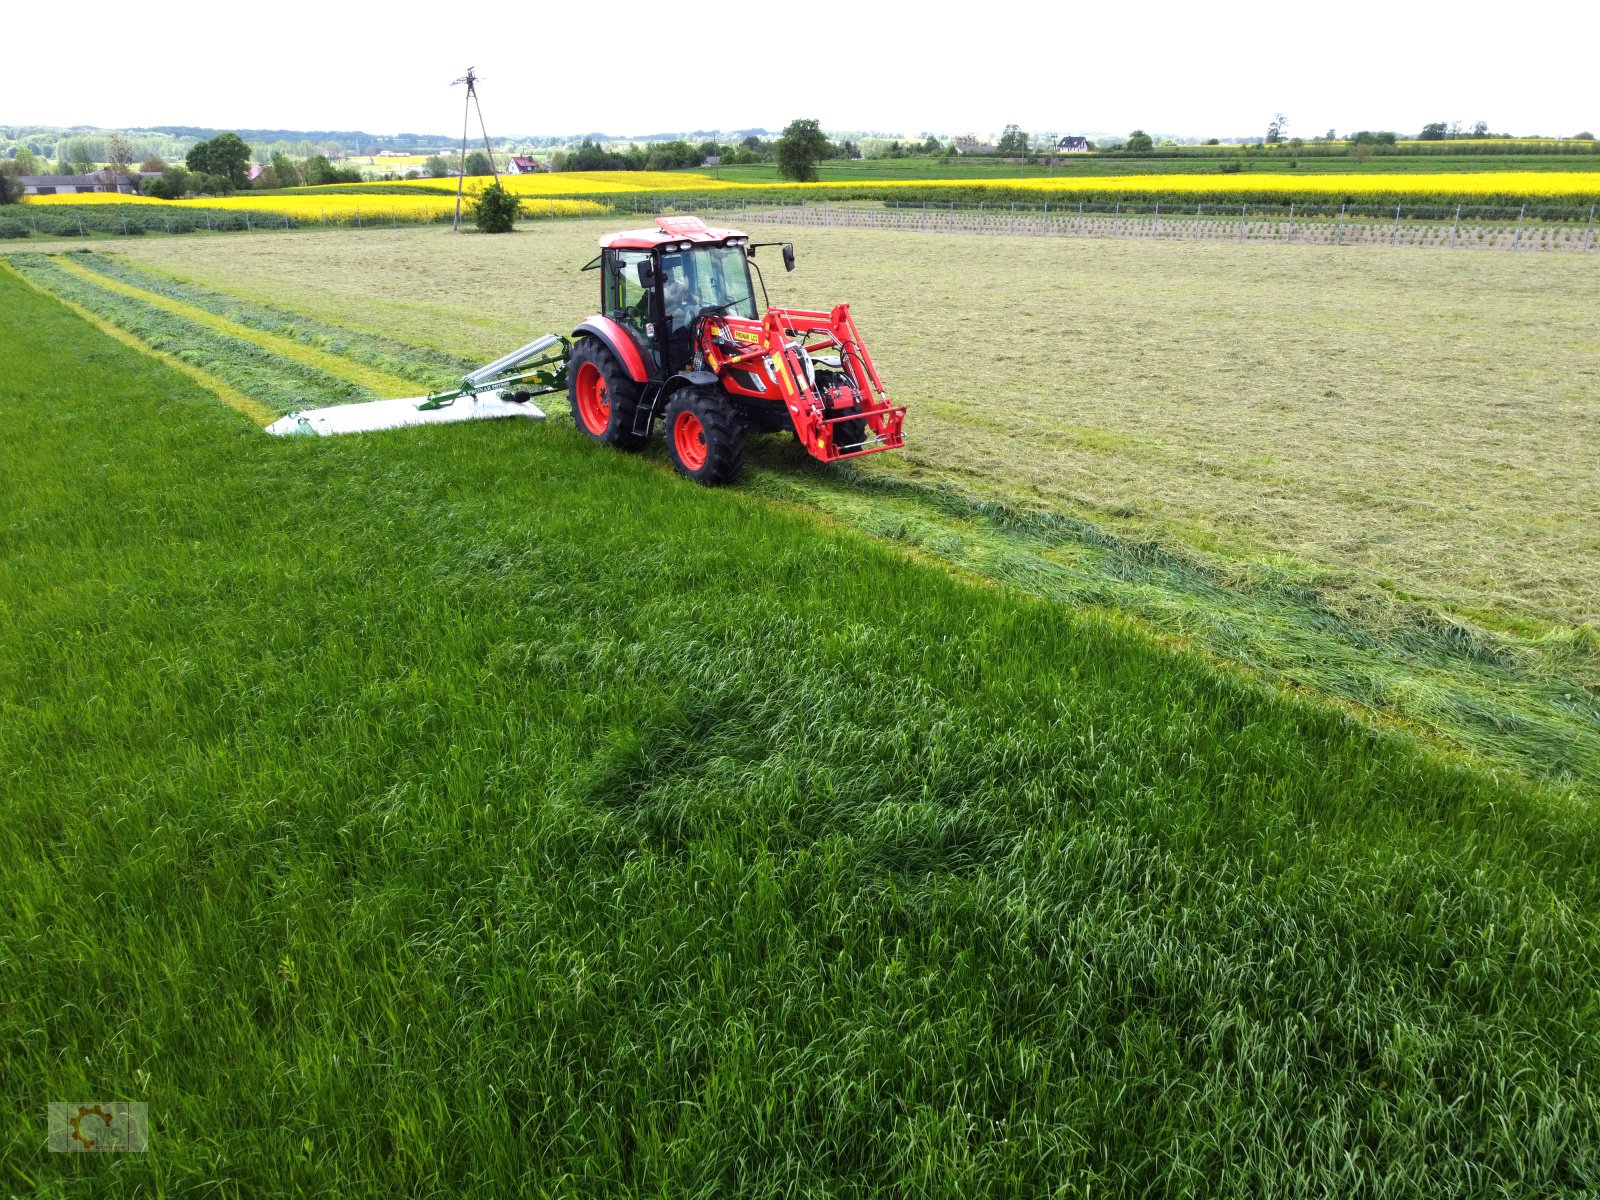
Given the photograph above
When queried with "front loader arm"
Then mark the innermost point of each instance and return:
(782, 330)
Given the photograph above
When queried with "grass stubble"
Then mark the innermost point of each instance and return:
(389, 823)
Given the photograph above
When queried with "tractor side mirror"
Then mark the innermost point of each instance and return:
(788, 256)
(647, 274)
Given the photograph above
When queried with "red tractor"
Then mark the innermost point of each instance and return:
(679, 339)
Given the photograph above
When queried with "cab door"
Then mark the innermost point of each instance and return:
(624, 301)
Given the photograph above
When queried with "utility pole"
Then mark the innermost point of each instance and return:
(471, 81)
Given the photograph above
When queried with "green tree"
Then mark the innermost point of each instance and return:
(436, 166)
(8, 190)
(1275, 129)
(1013, 141)
(27, 162)
(1434, 132)
(1140, 140)
(800, 149)
(226, 156)
(672, 156)
(1481, 129)
(119, 155)
(230, 158)
(153, 165)
(496, 209)
(174, 182)
(478, 164)
(283, 167)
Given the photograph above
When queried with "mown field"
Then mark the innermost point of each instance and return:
(475, 811)
(1368, 488)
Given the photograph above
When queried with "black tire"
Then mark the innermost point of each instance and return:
(705, 438)
(603, 396)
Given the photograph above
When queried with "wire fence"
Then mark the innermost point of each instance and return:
(1429, 226)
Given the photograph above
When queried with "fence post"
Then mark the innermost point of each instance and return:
(124, 226)
(1338, 233)
(1455, 231)
(1394, 238)
(81, 233)
(1242, 209)
(1080, 218)
(1158, 219)
(1517, 241)
(1116, 220)
(247, 228)
(286, 220)
(358, 216)
(1589, 232)
(1197, 208)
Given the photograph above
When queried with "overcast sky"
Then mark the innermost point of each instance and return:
(631, 68)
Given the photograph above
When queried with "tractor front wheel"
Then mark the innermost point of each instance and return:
(704, 438)
(603, 396)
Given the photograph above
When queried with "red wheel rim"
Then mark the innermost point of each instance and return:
(689, 439)
(594, 407)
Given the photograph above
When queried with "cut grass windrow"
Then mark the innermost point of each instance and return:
(278, 383)
(422, 366)
(544, 826)
(230, 396)
(1532, 706)
(381, 383)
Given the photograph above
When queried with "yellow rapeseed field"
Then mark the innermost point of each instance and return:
(563, 194)
(341, 206)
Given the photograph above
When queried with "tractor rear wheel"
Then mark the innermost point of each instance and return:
(603, 396)
(704, 437)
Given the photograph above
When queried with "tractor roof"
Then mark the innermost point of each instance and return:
(669, 231)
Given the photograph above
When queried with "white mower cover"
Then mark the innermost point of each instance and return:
(398, 414)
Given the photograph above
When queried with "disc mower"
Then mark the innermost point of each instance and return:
(679, 342)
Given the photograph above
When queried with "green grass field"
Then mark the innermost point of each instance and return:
(476, 811)
(1365, 487)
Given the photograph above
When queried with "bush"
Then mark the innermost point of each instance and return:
(496, 209)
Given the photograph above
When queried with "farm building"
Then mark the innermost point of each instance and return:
(1073, 145)
(521, 164)
(60, 185)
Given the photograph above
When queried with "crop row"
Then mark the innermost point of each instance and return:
(426, 367)
(277, 382)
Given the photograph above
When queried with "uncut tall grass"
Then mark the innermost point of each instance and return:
(475, 811)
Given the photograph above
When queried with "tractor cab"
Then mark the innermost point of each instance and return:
(657, 283)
